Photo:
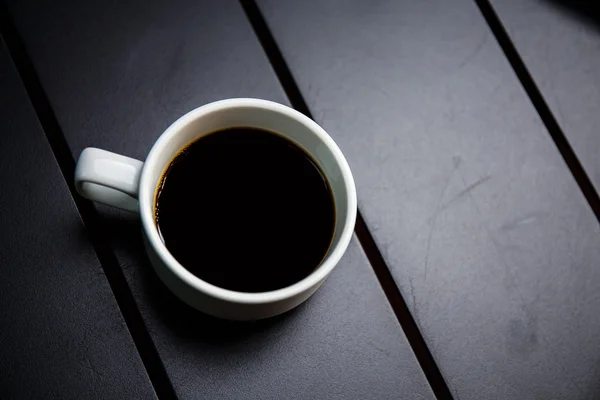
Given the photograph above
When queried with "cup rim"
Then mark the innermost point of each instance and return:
(146, 200)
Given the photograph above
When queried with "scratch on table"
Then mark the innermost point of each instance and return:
(467, 190)
(456, 160)
(384, 91)
(379, 349)
(527, 219)
(512, 280)
(415, 310)
(475, 51)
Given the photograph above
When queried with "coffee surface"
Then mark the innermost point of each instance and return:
(246, 210)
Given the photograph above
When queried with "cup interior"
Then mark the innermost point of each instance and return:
(264, 115)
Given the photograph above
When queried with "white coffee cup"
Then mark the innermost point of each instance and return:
(130, 184)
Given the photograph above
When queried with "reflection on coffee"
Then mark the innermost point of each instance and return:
(245, 209)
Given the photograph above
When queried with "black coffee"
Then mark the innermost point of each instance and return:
(246, 210)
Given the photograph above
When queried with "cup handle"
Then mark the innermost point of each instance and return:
(108, 178)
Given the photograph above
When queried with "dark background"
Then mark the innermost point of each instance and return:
(471, 128)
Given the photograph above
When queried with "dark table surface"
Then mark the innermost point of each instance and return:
(474, 273)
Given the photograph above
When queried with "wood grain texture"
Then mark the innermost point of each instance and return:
(558, 41)
(62, 333)
(486, 233)
(117, 74)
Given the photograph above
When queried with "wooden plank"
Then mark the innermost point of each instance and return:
(558, 41)
(343, 343)
(486, 233)
(117, 74)
(62, 333)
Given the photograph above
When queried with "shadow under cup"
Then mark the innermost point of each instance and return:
(262, 115)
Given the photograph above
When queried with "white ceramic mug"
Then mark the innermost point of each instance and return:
(130, 184)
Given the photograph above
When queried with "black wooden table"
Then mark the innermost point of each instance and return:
(473, 132)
